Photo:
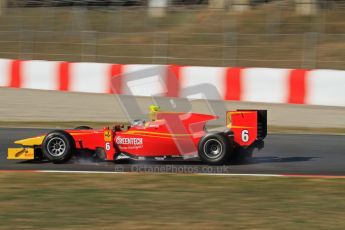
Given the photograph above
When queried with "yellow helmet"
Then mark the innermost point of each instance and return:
(154, 108)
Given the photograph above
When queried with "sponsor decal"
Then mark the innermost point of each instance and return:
(27, 154)
(107, 135)
(129, 141)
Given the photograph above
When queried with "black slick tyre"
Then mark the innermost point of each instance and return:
(215, 148)
(58, 146)
(83, 127)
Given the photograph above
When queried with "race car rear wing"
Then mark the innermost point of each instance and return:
(248, 126)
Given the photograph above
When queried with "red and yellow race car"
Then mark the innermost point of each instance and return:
(165, 135)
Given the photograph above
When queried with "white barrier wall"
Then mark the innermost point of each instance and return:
(191, 77)
(326, 87)
(40, 75)
(144, 80)
(89, 77)
(265, 85)
(315, 87)
(5, 72)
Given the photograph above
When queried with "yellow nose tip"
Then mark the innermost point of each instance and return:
(34, 141)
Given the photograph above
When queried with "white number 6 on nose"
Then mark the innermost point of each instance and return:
(245, 135)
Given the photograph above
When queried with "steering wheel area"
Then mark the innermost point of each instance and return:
(138, 123)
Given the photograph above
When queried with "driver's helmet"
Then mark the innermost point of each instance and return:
(154, 109)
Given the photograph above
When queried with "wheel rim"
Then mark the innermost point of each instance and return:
(56, 146)
(213, 148)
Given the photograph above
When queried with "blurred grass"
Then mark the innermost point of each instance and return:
(263, 37)
(168, 201)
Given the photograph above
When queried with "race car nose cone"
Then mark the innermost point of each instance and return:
(31, 141)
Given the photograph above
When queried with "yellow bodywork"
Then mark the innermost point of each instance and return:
(26, 152)
(34, 141)
(20, 154)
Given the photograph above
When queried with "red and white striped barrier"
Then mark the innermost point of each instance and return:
(296, 86)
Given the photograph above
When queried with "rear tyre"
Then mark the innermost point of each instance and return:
(215, 148)
(58, 146)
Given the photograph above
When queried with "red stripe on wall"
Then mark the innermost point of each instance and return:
(16, 73)
(233, 84)
(173, 80)
(64, 76)
(297, 86)
(115, 79)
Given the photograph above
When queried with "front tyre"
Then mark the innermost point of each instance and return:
(215, 148)
(58, 146)
(83, 127)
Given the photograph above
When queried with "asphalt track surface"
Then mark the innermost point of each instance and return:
(283, 154)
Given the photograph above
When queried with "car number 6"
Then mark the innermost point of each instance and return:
(107, 146)
(245, 135)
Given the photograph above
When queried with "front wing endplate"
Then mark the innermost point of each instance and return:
(21, 154)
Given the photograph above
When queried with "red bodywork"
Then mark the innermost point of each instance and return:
(171, 134)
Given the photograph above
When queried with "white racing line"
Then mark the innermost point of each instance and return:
(199, 174)
(240, 174)
(206, 174)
